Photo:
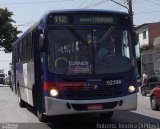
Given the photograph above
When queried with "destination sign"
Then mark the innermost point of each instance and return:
(86, 19)
(60, 19)
(94, 20)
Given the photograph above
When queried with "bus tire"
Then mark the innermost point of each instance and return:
(22, 104)
(41, 116)
(34, 96)
(107, 115)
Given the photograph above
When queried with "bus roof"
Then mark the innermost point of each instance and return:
(30, 29)
(85, 10)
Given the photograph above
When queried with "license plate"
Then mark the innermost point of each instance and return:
(95, 107)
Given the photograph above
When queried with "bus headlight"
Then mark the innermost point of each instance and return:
(54, 92)
(131, 89)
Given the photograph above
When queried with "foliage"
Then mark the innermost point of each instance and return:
(8, 32)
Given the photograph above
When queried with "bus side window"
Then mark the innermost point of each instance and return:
(32, 47)
(27, 50)
(24, 58)
(17, 54)
(20, 51)
(29, 47)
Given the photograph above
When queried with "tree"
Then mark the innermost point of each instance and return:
(8, 33)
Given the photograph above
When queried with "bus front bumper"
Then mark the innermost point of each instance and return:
(63, 107)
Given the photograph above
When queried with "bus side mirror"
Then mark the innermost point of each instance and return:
(41, 41)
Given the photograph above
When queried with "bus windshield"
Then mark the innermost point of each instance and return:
(89, 51)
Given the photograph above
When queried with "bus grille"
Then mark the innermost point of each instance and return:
(89, 93)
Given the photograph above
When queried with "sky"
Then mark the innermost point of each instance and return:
(28, 12)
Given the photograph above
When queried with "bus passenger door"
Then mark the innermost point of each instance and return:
(38, 87)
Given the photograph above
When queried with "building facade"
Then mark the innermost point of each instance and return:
(148, 37)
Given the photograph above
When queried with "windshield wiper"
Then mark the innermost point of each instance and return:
(108, 32)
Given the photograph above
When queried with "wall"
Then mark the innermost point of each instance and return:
(154, 31)
(139, 32)
(144, 42)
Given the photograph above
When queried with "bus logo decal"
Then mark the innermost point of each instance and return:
(90, 86)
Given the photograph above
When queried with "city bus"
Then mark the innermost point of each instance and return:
(58, 68)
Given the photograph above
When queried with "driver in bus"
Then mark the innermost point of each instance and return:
(108, 50)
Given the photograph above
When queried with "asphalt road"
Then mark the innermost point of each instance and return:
(14, 117)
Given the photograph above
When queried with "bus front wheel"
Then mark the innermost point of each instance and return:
(41, 116)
